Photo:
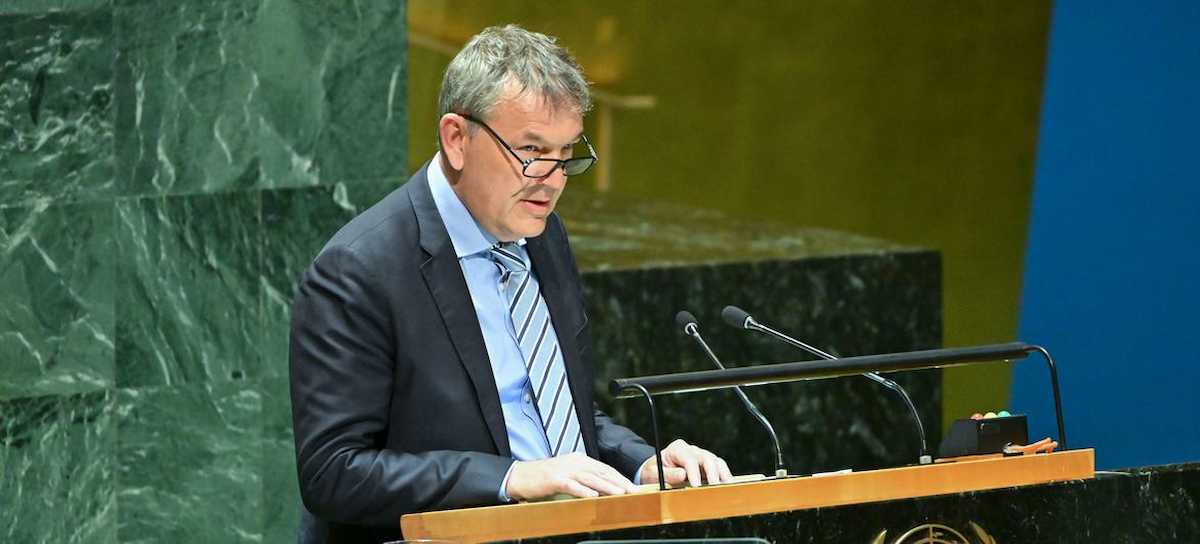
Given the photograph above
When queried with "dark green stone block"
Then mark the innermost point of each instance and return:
(613, 232)
(56, 115)
(184, 91)
(280, 490)
(188, 289)
(851, 305)
(56, 306)
(296, 224)
(50, 6)
(189, 462)
(221, 96)
(57, 469)
(333, 91)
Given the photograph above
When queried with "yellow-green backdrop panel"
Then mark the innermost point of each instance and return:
(910, 121)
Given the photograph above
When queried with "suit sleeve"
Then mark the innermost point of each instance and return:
(619, 447)
(342, 371)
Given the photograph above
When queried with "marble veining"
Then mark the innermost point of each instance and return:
(56, 114)
(850, 305)
(56, 303)
(227, 96)
(280, 490)
(40, 7)
(187, 289)
(610, 232)
(190, 463)
(296, 224)
(183, 121)
(57, 476)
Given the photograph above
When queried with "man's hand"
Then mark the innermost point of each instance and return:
(574, 474)
(683, 461)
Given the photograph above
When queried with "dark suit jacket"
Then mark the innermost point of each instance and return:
(394, 402)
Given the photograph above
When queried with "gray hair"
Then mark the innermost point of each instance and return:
(478, 75)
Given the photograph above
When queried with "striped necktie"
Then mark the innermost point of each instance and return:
(539, 345)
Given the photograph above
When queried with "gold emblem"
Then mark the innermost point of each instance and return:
(936, 533)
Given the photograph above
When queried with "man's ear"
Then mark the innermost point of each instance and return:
(452, 130)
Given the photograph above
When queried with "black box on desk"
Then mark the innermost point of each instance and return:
(981, 436)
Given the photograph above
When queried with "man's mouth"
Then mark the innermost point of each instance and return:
(536, 205)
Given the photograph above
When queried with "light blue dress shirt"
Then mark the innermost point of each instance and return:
(526, 436)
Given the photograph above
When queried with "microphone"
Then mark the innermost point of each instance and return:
(690, 327)
(740, 319)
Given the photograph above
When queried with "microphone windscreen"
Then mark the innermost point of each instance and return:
(683, 319)
(735, 317)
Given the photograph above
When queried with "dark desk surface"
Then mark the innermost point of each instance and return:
(620, 232)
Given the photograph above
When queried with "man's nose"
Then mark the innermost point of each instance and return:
(556, 178)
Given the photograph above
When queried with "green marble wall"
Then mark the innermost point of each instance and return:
(167, 168)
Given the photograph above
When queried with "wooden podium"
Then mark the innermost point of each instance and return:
(527, 520)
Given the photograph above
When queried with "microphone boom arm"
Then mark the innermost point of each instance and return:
(780, 469)
(684, 382)
(751, 324)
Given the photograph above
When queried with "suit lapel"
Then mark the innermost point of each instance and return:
(444, 278)
(552, 274)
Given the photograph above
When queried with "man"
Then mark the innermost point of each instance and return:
(440, 353)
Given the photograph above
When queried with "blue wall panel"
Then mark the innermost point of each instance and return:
(1111, 276)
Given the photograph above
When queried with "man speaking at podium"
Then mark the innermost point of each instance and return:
(440, 352)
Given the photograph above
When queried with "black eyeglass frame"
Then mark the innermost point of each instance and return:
(564, 164)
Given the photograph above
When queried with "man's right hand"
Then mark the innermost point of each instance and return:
(574, 474)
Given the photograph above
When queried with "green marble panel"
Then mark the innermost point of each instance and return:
(56, 119)
(56, 307)
(184, 91)
(333, 91)
(188, 463)
(57, 479)
(188, 293)
(50, 6)
(280, 488)
(296, 224)
(219, 96)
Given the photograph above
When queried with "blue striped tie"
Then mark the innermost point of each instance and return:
(539, 345)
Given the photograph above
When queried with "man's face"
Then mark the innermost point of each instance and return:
(491, 184)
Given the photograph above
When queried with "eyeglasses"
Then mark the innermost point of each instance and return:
(540, 168)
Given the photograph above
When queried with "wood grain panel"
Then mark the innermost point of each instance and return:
(653, 507)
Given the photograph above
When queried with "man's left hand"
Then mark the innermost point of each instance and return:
(683, 461)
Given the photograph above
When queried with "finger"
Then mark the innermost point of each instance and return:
(675, 475)
(712, 471)
(598, 483)
(726, 474)
(686, 458)
(611, 474)
(574, 488)
(683, 455)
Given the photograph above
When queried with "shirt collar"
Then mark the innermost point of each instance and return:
(467, 236)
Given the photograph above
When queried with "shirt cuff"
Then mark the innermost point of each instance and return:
(504, 485)
(637, 476)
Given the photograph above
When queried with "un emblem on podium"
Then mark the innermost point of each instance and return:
(935, 533)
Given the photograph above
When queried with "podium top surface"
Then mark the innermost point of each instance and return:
(527, 520)
(619, 232)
